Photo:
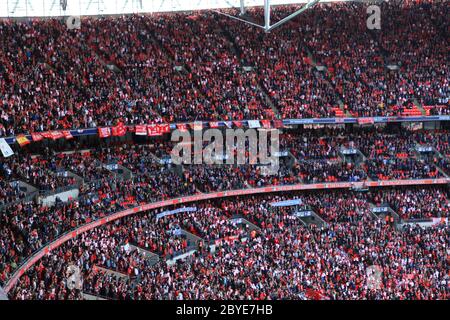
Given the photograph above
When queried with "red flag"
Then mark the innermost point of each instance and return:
(67, 134)
(47, 135)
(55, 135)
(165, 128)
(119, 131)
(182, 127)
(366, 120)
(238, 124)
(104, 132)
(37, 137)
(141, 130)
(22, 140)
(278, 124)
(313, 294)
(154, 130)
(266, 124)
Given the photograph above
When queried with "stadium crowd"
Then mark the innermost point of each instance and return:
(416, 202)
(182, 67)
(312, 156)
(202, 66)
(283, 260)
(30, 226)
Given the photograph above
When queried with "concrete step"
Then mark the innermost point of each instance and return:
(153, 258)
(180, 257)
(380, 212)
(239, 219)
(309, 217)
(91, 297)
(114, 273)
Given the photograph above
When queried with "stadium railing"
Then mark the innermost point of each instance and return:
(305, 121)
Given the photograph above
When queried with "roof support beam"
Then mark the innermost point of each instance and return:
(267, 27)
(242, 7)
(267, 15)
(290, 17)
(239, 19)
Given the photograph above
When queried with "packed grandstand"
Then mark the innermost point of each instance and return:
(364, 168)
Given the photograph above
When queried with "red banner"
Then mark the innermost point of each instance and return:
(182, 127)
(37, 137)
(141, 130)
(67, 134)
(155, 130)
(47, 135)
(165, 128)
(55, 135)
(266, 124)
(238, 124)
(278, 124)
(119, 131)
(214, 125)
(366, 120)
(104, 132)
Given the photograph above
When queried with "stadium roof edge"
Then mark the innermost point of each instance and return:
(59, 8)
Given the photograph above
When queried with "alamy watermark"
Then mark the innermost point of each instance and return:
(374, 277)
(228, 147)
(73, 22)
(373, 21)
(74, 280)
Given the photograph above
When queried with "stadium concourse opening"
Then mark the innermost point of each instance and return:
(93, 95)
